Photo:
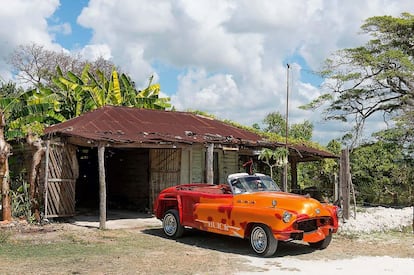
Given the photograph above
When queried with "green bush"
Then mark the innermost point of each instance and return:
(20, 200)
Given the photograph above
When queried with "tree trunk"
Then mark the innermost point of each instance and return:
(4, 171)
(37, 143)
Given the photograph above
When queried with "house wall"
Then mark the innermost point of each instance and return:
(230, 164)
(195, 161)
(186, 165)
(198, 165)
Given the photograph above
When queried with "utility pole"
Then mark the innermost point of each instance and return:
(285, 168)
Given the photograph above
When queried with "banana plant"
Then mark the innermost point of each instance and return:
(87, 92)
(149, 97)
(90, 91)
(26, 112)
(274, 158)
(72, 97)
(29, 111)
(104, 91)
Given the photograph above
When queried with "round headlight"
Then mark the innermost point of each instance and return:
(286, 217)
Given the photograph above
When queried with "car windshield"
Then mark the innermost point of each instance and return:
(250, 184)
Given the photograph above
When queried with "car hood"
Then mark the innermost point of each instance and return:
(280, 200)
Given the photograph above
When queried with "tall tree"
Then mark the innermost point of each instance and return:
(302, 131)
(276, 123)
(4, 171)
(36, 64)
(381, 172)
(377, 77)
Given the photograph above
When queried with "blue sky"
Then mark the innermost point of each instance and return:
(224, 57)
(68, 11)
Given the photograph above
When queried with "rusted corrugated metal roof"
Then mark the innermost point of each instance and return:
(308, 152)
(128, 125)
(117, 124)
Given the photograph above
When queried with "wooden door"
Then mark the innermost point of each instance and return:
(60, 179)
(164, 170)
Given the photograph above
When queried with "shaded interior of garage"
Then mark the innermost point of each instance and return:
(127, 179)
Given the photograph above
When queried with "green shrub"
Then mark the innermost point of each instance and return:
(20, 200)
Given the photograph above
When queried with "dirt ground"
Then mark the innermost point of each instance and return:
(143, 249)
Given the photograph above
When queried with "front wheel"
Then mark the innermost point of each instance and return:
(171, 224)
(262, 240)
(323, 243)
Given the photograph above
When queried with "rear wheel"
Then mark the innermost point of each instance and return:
(262, 240)
(323, 243)
(171, 224)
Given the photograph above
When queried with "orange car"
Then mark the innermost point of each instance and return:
(251, 207)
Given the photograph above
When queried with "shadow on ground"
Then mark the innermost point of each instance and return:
(229, 244)
(148, 224)
(115, 219)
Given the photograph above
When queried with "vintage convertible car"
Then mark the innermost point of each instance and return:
(248, 206)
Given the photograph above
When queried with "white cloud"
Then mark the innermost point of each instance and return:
(63, 28)
(23, 22)
(95, 51)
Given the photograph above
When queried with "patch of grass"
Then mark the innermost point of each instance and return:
(24, 251)
(75, 239)
(109, 252)
(4, 236)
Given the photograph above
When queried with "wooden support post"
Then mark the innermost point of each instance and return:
(336, 187)
(294, 176)
(285, 177)
(102, 186)
(344, 182)
(209, 163)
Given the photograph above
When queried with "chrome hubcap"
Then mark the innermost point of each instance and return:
(258, 240)
(169, 224)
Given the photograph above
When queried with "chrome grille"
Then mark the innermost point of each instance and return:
(307, 225)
